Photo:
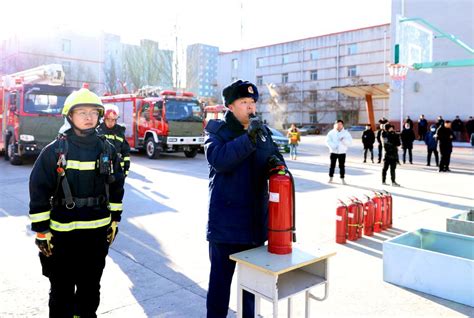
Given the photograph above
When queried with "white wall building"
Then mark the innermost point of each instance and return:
(302, 73)
(446, 91)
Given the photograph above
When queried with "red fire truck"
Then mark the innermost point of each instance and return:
(214, 112)
(31, 102)
(160, 121)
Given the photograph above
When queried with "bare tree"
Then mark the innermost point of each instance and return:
(111, 79)
(148, 65)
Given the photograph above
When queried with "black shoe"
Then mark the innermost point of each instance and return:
(411, 162)
(364, 161)
(447, 170)
(378, 161)
(428, 164)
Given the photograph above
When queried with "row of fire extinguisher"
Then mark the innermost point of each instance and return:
(372, 215)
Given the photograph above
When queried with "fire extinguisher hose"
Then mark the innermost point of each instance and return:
(293, 228)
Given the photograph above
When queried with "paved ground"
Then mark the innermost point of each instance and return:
(158, 267)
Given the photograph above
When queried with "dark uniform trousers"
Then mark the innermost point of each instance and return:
(445, 159)
(75, 270)
(341, 157)
(386, 164)
(380, 152)
(435, 152)
(222, 270)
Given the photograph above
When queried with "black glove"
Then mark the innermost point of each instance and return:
(255, 128)
(274, 162)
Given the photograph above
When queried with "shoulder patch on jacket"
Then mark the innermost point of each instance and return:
(214, 125)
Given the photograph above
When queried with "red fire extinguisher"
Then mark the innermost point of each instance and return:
(384, 211)
(353, 216)
(341, 223)
(389, 209)
(378, 205)
(360, 216)
(369, 217)
(281, 209)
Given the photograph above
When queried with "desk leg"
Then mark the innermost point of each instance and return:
(257, 306)
(306, 304)
(275, 308)
(239, 301)
(290, 309)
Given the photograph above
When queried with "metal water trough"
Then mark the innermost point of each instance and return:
(433, 262)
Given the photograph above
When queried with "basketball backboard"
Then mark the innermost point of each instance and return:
(415, 43)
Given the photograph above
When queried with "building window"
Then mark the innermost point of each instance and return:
(352, 49)
(284, 78)
(259, 80)
(66, 45)
(233, 79)
(313, 118)
(260, 62)
(235, 64)
(314, 75)
(314, 54)
(285, 59)
(313, 96)
(352, 71)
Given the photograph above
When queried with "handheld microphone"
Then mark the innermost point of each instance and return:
(259, 132)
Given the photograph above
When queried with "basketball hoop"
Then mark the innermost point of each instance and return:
(397, 73)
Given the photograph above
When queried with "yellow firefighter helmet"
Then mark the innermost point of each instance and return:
(82, 97)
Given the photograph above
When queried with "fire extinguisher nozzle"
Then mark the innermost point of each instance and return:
(294, 237)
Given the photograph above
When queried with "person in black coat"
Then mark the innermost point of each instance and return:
(445, 138)
(431, 145)
(240, 152)
(382, 123)
(408, 136)
(422, 127)
(458, 127)
(368, 139)
(409, 122)
(390, 141)
(470, 126)
(439, 122)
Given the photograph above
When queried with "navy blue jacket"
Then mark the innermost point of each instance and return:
(431, 141)
(238, 182)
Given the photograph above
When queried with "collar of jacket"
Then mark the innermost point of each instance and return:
(89, 141)
(232, 123)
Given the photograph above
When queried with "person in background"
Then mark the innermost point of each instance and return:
(408, 136)
(409, 122)
(338, 140)
(390, 141)
(422, 127)
(293, 139)
(439, 122)
(445, 137)
(368, 140)
(382, 123)
(458, 127)
(240, 153)
(431, 145)
(470, 127)
(115, 134)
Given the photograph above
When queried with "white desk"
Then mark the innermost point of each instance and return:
(278, 277)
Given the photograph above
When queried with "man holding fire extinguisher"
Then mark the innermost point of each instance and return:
(240, 152)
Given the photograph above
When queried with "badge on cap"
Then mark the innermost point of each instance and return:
(250, 89)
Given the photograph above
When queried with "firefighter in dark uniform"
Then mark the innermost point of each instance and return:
(115, 134)
(445, 136)
(76, 190)
(240, 152)
(391, 142)
(380, 131)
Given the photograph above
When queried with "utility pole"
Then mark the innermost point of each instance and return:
(176, 65)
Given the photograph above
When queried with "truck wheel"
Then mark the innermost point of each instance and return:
(152, 148)
(191, 153)
(14, 159)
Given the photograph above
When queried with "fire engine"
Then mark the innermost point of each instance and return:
(214, 112)
(30, 110)
(160, 121)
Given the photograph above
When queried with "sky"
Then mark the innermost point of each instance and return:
(228, 24)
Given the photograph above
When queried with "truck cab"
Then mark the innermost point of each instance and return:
(164, 122)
